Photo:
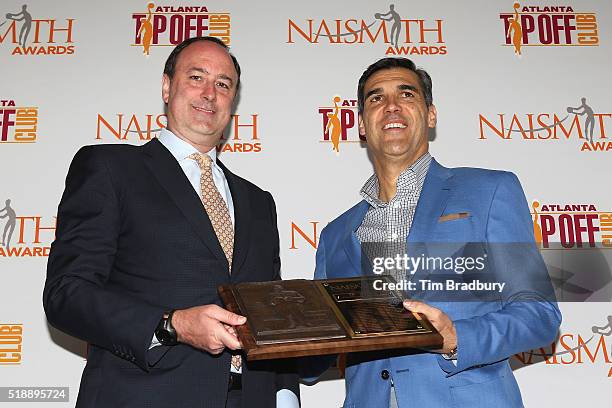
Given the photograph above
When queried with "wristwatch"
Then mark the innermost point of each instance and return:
(165, 332)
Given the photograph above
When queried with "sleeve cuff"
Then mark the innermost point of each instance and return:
(286, 399)
(154, 342)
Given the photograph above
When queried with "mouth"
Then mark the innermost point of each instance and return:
(394, 125)
(203, 110)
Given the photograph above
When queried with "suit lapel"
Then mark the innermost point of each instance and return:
(352, 247)
(432, 202)
(242, 218)
(171, 177)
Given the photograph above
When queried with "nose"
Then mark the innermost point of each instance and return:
(209, 92)
(391, 105)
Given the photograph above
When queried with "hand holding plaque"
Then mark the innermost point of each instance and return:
(300, 317)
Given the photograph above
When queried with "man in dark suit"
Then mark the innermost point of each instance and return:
(144, 237)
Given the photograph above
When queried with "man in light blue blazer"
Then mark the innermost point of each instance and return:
(412, 200)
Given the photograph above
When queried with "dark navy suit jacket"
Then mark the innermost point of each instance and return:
(133, 240)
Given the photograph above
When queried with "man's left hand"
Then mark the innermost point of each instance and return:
(440, 320)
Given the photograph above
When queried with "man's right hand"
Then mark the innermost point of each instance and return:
(207, 327)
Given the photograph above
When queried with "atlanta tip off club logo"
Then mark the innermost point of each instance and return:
(169, 25)
(573, 226)
(339, 123)
(11, 339)
(36, 36)
(548, 26)
(575, 240)
(18, 124)
(399, 35)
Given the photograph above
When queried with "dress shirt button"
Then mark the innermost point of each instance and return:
(384, 374)
(397, 205)
(394, 235)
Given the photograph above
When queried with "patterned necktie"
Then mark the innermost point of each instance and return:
(219, 216)
(215, 207)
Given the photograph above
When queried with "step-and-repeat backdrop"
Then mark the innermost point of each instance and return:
(519, 86)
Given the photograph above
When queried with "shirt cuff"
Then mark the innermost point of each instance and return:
(154, 342)
(286, 399)
(451, 359)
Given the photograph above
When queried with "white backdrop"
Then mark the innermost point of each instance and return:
(101, 76)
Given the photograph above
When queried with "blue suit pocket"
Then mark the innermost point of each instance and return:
(499, 392)
(457, 230)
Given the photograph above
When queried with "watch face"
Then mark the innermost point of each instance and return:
(165, 332)
(166, 338)
(163, 336)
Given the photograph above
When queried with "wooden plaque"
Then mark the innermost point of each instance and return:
(294, 318)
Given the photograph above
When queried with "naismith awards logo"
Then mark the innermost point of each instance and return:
(339, 123)
(240, 136)
(304, 234)
(399, 34)
(18, 124)
(24, 235)
(578, 122)
(169, 25)
(548, 26)
(27, 35)
(592, 348)
(129, 127)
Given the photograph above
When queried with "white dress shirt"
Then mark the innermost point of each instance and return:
(181, 150)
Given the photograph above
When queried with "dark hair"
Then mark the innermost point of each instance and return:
(171, 61)
(388, 63)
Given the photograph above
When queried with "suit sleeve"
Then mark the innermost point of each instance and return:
(78, 298)
(321, 265)
(276, 255)
(528, 316)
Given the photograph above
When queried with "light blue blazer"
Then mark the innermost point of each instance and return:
(488, 332)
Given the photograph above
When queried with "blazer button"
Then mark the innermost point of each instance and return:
(384, 374)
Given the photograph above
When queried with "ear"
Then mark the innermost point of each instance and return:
(165, 88)
(362, 130)
(432, 116)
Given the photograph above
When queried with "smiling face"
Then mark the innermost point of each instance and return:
(201, 93)
(395, 117)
